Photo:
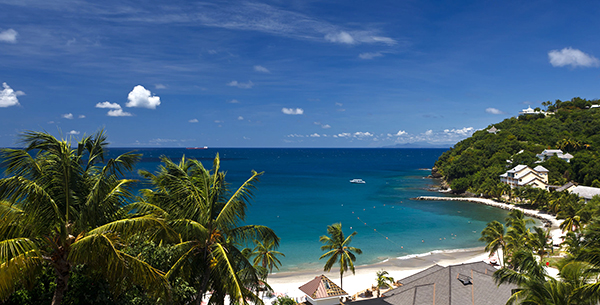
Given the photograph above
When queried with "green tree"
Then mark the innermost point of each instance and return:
(577, 283)
(493, 236)
(338, 250)
(540, 241)
(61, 207)
(208, 221)
(266, 256)
(383, 280)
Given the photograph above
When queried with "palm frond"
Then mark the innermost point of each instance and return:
(235, 207)
(131, 226)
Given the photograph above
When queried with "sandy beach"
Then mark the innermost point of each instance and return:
(287, 283)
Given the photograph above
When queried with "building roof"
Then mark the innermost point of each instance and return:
(492, 130)
(322, 287)
(532, 181)
(549, 152)
(540, 169)
(566, 186)
(566, 156)
(586, 192)
(517, 168)
(458, 284)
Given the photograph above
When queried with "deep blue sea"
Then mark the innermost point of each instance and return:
(304, 190)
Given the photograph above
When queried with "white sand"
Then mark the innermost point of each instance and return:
(287, 283)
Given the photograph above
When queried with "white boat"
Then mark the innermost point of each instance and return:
(357, 181)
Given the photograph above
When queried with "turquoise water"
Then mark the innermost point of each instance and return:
(304, 190)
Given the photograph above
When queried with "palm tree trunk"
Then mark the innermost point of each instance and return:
(342, 279)
(63, 272)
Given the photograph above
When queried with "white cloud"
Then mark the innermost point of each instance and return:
(466, 131)
(235, 83)
(234, 102)
(339, 104)
(160, 86)
(370, 55)
(385, 40)
(116, 109)
(324, 126)
(74, 132)
(67, 116)
(261, 69)
(218, 122)
(572, 57)
(400, 133)
(81, 116)
(193, 121)
(315, 135)
(109, 105)
(292, 111)
(9, 35)
(8, 96)
(340, 37)
(118, 112)
(360, 134)
(240, 118)
(494, 111)
(429, 132)
(141, 97)
(343, 135)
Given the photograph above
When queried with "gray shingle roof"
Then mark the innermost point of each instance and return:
(586, 192)
(458, 284)
(566, 186)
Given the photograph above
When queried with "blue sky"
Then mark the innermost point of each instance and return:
(288, 73)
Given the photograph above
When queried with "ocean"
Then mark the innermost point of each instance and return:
(303, 191)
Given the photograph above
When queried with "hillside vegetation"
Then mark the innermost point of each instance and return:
(475, 164)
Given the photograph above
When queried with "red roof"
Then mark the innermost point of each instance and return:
(322, 287)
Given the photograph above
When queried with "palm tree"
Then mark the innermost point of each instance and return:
(540, 241)
(571, 210)
(266, 256)
(383, 280)
(577, 283)
(493, 235)
(61, 207)
(208, 219)
(338, 250)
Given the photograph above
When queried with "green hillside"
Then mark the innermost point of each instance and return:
(475, 164)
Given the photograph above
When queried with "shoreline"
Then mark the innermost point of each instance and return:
(547, 219)
(287, 283)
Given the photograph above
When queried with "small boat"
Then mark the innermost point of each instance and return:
(205, 147)
(357, 181)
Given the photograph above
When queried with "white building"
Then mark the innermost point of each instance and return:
(547, 153)
(523, 175)
(530, 110)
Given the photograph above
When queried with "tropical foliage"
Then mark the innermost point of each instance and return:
(71, 232)
(205, 221)
(61, 207)
(338, 250)
(526, 251)
(384, 280)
